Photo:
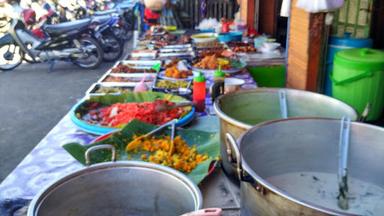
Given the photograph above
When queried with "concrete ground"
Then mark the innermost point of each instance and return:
(32, 101)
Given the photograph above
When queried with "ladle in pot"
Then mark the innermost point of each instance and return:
(283, 104)
(343, 162)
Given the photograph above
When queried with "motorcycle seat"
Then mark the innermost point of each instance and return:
(65, 27)
(101, 19)
(106, 12)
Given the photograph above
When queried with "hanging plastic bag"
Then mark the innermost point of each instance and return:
(316, 6)
(285, 8)
(155, 5)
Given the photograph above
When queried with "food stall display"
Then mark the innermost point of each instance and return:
(162, 130)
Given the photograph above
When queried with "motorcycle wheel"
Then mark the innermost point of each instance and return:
(11, 56)
(123, 34)
(94, 54)
(112, 47)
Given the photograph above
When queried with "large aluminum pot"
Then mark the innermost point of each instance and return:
(119, 188)
(289, 167)
(239, 111)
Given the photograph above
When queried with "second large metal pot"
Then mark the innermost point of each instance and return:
(119, 188)
(239, 111)
(289, 167)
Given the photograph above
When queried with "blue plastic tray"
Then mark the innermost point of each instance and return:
(102, 130)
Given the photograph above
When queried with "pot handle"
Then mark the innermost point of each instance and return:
(99, 147)
(231, 145)
(205, 212)
(365, 113)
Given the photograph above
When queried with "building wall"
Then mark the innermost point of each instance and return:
(298, 54)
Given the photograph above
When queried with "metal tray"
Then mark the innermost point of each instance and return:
(178, 46)
(228, 71)
(208, 71)
(104, 75)
(96, 86)
(134, 75)
(174, 50)
(137, 64)
(151, 54)
(129, 79)
(141, 63)
(190, 54)
(170, 90)
(161, 75)
(123, 84)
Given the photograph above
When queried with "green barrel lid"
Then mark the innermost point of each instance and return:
(199, 77)
(362, 58)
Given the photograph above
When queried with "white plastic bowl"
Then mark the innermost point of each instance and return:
(204, 37)
(232, 84)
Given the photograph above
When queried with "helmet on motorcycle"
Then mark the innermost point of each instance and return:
(29, 16)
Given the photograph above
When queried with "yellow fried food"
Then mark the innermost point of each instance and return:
(173, 72)
(212, 62)
(156, 150)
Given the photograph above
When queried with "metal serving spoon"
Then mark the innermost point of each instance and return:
(133, 144)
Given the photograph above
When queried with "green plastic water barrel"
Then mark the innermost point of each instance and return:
(341, 43)
(358, 80)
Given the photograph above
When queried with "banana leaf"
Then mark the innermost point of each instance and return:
(206, 143)
(82, 108)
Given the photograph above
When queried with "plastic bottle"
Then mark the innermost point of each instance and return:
(141, 86)
(218, 86)
(199, 92)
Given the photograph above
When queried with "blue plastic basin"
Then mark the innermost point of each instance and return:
(230, 36)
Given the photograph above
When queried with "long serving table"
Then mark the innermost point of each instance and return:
(48, 161)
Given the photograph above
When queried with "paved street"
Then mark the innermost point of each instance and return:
(32, 101)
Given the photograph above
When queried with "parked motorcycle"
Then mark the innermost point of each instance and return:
(111, 44)
(102, 31)
(124, 28)
(67, 42)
